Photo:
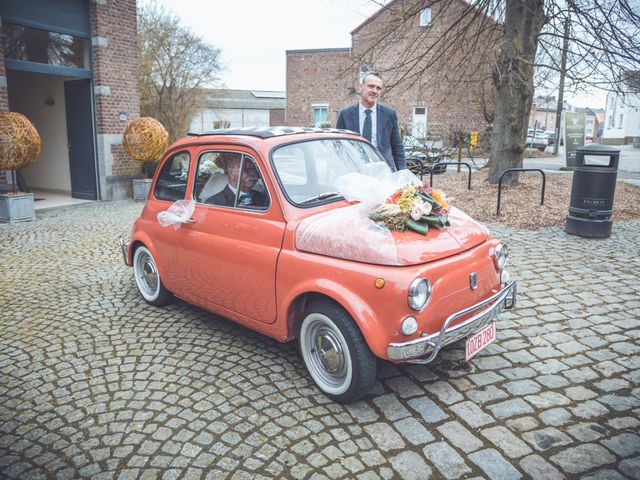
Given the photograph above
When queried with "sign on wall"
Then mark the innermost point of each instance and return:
(574, 132)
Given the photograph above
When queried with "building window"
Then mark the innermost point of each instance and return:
(419, 122)
(364, 71)
(425, 17)
(621, 118)
(41, 46)
(320, 115)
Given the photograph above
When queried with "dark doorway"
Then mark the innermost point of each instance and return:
(80, 134)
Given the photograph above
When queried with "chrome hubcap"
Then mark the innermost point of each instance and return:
(148, 275)
(329, 351)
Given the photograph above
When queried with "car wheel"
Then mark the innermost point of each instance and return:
(542, 149)
(148, 278)
(335, 352)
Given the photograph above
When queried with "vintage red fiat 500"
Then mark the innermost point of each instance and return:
(273, 245)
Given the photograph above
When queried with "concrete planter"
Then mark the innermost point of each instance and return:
(141, 188)
(17, 208)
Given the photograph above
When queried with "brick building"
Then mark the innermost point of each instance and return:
(439, 100)
(70, 66)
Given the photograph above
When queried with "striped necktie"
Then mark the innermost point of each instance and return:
(366, 128)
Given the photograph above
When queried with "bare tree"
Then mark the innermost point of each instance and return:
(513, 44)
(175, 66)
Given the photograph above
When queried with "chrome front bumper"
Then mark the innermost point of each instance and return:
(124, 247)
(424, 349)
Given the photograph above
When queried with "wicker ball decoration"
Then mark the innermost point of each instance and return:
(19, 141)
(145, 139)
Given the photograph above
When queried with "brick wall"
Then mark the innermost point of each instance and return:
(276, 117)
(315, 77)
(115, 69)
(325, 76)
(4, 100)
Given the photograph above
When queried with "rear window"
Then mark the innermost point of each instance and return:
(172, 179)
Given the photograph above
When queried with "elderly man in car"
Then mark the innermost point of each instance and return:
(248, 196)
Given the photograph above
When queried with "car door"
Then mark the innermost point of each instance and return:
(229, 252)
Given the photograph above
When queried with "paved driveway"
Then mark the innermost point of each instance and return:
(95, 383)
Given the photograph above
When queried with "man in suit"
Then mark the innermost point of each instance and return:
(377, 123)
(248, 196)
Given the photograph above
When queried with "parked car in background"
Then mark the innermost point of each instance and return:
(551, 138)
(537, 139)
(422, 155)
(273, 245)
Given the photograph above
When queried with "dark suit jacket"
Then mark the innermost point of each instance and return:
(387, 132)
(227, 198)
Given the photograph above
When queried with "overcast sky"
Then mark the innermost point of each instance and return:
(254, 35)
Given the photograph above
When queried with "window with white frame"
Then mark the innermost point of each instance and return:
(320, 115)
(425, 17)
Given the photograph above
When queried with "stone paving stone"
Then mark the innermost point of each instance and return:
(537, 468)
(385, 437)
(547, 400)
(410, 466)
(404, 387)
(460, 437)
(604, 475)
(555, 417)
(429, 411)
(445, 392)
(586, 432)
(391, 407)
(446, 460)
(582, 458)
(486, 394)
(546, 438)
(522, 387)
(413, 431)
(510, 408)
(494, 465)
(631, 467)
(506, 441)
(589, 409)
(472, 414)
(522, 424)
(580, 393)
(624, 445)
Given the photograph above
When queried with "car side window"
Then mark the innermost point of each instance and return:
(172, 179)
(221, 175)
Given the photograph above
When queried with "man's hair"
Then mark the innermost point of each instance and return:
(375, 74)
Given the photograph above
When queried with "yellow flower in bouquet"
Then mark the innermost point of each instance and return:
(439, 196)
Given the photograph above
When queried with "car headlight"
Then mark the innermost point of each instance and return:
(419, 293)
(500, 256)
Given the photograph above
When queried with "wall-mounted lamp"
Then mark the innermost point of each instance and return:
(49, 102)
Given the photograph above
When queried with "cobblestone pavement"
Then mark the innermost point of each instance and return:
(95, 383)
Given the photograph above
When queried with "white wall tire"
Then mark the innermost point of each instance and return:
(148, 281)
(335, 353)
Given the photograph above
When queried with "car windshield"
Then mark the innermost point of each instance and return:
(308, 170)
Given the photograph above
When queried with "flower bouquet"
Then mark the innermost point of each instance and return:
(415, 208)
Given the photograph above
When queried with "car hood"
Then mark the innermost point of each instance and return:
(348, 233)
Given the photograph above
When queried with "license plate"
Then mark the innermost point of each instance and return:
(480, 341)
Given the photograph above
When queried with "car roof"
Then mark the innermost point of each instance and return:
(267, 132)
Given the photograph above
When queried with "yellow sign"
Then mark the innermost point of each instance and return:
(473, 139)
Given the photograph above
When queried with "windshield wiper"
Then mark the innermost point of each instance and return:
(322, 196)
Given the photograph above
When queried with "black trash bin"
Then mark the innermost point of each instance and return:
(594, 184)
